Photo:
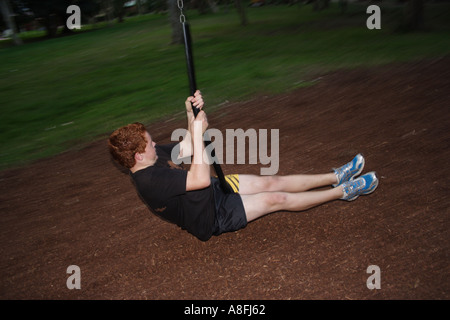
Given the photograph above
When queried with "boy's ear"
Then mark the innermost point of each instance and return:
(138, 157)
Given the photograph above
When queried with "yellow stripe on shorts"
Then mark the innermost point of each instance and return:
(233, 181)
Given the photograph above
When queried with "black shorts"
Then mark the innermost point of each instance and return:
(230, 212)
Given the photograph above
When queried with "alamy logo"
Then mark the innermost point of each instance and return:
(374, 281)
(74, 21)
(257, 147)
(374, 21)
(74, 281)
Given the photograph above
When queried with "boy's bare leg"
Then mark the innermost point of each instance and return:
(252, 184)
(260, 204)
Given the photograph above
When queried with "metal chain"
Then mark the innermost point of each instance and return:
(180, 6)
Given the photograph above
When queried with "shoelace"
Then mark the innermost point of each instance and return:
(354, 186)
(344, 171)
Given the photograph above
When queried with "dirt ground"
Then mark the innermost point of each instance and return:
(79, 209)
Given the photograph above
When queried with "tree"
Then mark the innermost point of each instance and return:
(174, 19)
(119, 10)
(139, 7)
(320, 5)
(205, 6)
(413, 16)
(241, 11)
(8, 17)
(50, 13)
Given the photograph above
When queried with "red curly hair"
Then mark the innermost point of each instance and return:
(125, 142)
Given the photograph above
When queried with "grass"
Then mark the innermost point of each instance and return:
(62, 93)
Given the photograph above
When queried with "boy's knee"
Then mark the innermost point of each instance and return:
(270, 183)
(274, 200)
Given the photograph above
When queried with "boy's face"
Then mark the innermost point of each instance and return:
(150, 152)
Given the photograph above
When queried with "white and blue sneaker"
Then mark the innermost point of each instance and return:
(350, 170)
(361, 186)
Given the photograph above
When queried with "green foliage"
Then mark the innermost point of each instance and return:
(62, 93)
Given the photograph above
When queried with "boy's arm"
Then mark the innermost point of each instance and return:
(186, 144)
(198, 176)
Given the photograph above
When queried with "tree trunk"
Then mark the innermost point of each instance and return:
(174, 18)
(7, 16)
(139, 6)
(241, 11)
(414, 15)
(119, 10)
(51, 25)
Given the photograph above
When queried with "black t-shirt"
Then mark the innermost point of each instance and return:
(163, 188)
